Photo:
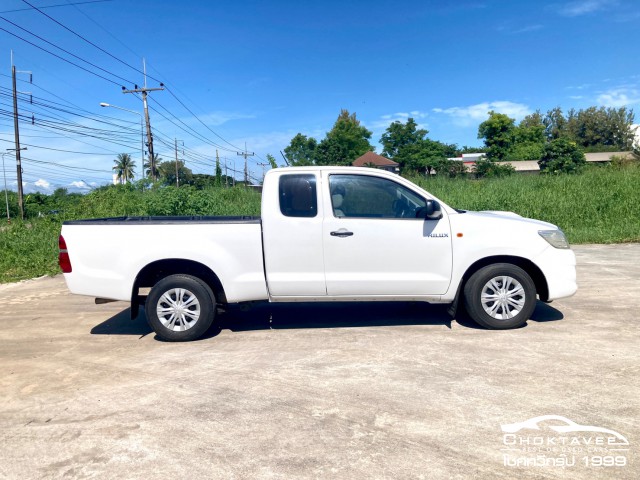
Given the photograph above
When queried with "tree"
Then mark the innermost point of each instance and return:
(528, 138)
(409, 146)
(60, 192)
(345, 142)
(272, 161)
(167, 172)
(498, 134)
(218, 172)
(147, 166)
(203, 180)
(301, 150)
(331, 151)
(466, 149)
(124, 166)
(607, 127)
(426, 155)
(594, 128)
(561, 156)
(530, 129)
(555, 124)
(400, 135)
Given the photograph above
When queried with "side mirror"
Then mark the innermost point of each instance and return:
(431, 211)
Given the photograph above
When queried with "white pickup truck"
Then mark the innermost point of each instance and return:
(325, 234)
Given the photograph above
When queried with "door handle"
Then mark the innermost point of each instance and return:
(342, 233)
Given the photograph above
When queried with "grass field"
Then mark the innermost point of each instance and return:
(601, 205)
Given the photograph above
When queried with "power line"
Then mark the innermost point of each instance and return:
(197, 118)
(186, 128)
(57, 5)
(70, 167)
(88, 41)
(64, 50)
(177, 121)
(59, 150)
(171, 92)
(58, 56)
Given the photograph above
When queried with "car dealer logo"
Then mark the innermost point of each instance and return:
(556, 441)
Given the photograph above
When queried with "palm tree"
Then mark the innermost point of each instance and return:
(124, 166)
(147, 166)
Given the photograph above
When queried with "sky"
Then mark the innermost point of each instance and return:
(253, 74)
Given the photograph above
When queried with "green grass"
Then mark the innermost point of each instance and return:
(601, 205)
(30, 249)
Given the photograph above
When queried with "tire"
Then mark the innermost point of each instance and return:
(500, 296)
(180, 308)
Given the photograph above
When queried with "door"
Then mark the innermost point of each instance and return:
(292, 236)
(374, 244)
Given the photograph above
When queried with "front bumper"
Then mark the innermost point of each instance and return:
(559, 269)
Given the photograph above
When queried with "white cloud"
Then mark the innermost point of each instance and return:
(218, 118)
(81, 185)
(511, 29)
(584, 7)
(528, 28)
(582, 86)
(212, 119)
(42, 183)
(384, 121)
(467, 116)
(619, 97)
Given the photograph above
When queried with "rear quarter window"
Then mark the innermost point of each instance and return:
(298, 195)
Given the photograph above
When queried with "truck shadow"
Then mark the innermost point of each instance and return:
(266, 316)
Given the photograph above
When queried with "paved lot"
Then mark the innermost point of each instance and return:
(321, 391)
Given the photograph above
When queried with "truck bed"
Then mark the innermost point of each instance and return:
(108, 254)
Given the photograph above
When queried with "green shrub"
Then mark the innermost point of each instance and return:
(488, 169)
(623, 161)
(561, 156)
(450, 168)
(525, 151)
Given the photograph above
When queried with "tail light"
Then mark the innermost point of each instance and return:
(63, 256)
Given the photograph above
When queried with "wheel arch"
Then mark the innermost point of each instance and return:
(155, 271)
(539, 280)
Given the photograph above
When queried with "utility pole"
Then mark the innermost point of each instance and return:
(17, 137)
(226, 174)
(263, 172)
(144, 90)
(218, 169)
(246, 154)
(176, 146)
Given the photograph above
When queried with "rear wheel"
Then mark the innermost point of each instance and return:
(500, 296)
(180, 308)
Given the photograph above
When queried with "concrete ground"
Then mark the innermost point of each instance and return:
(323, 391)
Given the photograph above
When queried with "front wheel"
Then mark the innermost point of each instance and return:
(500, 296)
(180, 308)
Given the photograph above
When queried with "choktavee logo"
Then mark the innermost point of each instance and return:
(556, 441)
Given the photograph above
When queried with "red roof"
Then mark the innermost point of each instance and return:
(375, 159)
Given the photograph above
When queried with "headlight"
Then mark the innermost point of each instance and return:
(555, 238)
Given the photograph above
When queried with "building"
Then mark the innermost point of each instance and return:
(373, 160)
(531, 166)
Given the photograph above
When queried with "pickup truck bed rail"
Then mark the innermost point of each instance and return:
(152, 220)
